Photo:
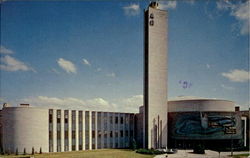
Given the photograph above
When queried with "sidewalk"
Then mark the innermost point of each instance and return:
(208, 154)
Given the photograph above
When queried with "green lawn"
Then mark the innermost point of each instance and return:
(241, 156)
(101, 153)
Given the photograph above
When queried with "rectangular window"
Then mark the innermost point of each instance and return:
(116, 134)
(111, 119)
(116, 120)
(121, 120)
(126, 133)
(121, 133)
(111, 134)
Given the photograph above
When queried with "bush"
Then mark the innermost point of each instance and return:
(33, 151)
(40, 152)
(149, 151)
(16, 151)
(199, 149)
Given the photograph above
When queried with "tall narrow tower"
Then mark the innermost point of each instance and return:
(155, 77)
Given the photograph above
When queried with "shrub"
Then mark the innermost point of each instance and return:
(16, 151)
(24, 151)
(40, 152)
(33, 151)
(199, 149)
(149, 151)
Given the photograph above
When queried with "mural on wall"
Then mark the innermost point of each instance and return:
(202, 125)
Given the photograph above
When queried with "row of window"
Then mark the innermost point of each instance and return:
(73, 126)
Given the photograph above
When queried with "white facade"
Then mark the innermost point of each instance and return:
(155, 77)
(58, 130)
(209, 105)
(24, 128)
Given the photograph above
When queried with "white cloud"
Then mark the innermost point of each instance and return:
(132, 9)
(111, 74)
(86, 62)
(167, 4)
(208, 66)
(4, 50)
(9, 63)
(98, 69)
(237, 75)
(240, 11)
(130, 104)
(226, 87)
(69, 103)
(190, 1)
(66, 65)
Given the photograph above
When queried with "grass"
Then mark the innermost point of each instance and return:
(241, 156)
(101, 153)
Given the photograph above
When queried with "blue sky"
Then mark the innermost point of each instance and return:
(89, 55)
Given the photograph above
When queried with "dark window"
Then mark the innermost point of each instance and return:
(50, 118)
(58, 135)
(116, 120)
(116, 134)
(93, 134)
(66, 134)
(111, 134)
(121, 120)
(121, 133)
(73, 134)
(80, 147)
(151, 22)
(152, 16)
(111, 119)
(131, 133)
(99, 134)
(126, 133)
(50, 135)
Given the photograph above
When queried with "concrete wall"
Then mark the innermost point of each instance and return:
(25, 127)
(155, 81)
(201, 105)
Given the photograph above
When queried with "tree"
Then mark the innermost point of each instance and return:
(33, 151)
(40, 152)
(16, 151)
(24, 151)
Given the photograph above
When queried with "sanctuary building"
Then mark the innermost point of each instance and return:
(179, 123)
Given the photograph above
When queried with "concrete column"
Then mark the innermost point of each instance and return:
(108, 131)
(114, 129)
(124, 127)
(70, 130)
(54, 131)
(96, 131)
(90, 130)
(102, 130)
(77, 130)
(119, 126)
(83, 130)
(62, 130)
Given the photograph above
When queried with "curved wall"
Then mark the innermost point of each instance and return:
(201, 105)
(25, 127)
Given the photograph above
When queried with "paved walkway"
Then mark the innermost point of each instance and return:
(208, 154)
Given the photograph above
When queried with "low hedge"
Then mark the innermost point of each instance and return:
(149, 151)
